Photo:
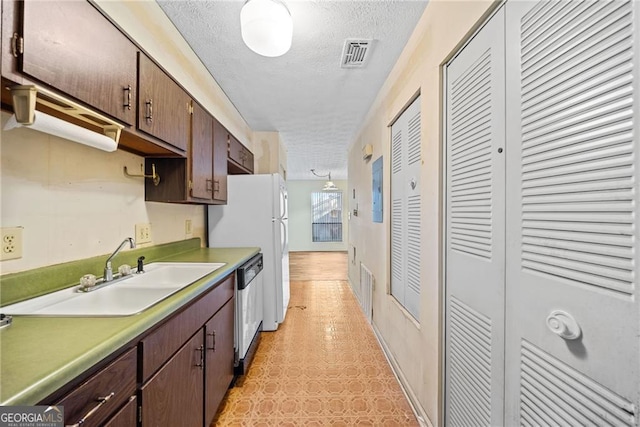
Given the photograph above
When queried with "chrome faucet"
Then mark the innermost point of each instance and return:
(108, 272)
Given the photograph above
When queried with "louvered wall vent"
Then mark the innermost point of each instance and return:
(356, 52)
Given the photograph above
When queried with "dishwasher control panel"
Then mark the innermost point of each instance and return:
(249, 270)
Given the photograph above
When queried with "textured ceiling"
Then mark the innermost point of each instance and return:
(316, 105)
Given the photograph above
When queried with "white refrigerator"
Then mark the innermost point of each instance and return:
(256, 215)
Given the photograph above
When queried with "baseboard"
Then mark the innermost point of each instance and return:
(418, 411)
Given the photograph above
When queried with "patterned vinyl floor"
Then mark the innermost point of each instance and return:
(322, 367)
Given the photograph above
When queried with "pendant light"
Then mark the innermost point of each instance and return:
(329, 185)
(266, 27)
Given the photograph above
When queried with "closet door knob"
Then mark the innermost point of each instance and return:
(564, 325)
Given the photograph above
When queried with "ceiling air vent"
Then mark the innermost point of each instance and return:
(356, 52)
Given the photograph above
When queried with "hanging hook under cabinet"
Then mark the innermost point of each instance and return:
(154, 176)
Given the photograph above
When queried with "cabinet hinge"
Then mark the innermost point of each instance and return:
(190, 185)
(190, 108)
(17, 45)
(140, 413)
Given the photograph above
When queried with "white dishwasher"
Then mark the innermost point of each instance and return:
(248, 312)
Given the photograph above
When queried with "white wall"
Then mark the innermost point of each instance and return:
(74, 201)
(299, 193)
(269, 153)
(415, 347)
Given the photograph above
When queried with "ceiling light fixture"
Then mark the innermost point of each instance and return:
(329, 185)
(266, 27)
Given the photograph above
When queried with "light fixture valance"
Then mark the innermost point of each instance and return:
(267, 28)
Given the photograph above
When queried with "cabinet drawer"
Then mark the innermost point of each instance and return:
(158, 347)
(118, 378)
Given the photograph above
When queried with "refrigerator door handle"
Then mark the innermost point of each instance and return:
(285, 241)
(283, 204)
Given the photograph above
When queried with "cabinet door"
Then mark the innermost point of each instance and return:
(247, 160)
(127, 416)
(573, 317)
(163, 107)
(99, 70)
(475, 203)
(201, 154)
(236, 150)
(219, 358)
(173, 397)
(220, 155)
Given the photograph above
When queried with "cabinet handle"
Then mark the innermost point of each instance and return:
(216, 185)
(17, 45)
(149, 110)
(101, 401)
(201, 363)
(213, 336)
(127, 103)
(209, 185)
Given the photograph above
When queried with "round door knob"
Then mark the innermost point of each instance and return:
(413, 183)
(564, 325)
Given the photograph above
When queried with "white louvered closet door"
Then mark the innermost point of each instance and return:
(475, 231)
(406, 208)
(573, 319)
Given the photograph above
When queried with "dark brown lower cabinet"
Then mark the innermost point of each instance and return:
(183, 384)
(196, 377)
(173, 397)
(127, 416)
(177, 374)
(219, 359)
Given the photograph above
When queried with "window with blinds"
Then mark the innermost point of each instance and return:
(326, 213)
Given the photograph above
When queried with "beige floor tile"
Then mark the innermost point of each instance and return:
(323, 366)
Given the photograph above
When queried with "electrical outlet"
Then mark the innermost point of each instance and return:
(11, 243)
(143, 233)
(187, 227)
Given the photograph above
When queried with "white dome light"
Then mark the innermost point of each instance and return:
(266, 26)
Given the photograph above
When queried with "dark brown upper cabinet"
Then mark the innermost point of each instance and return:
(163, 106)
(72, 47)
(202, 176)
(240, 159)
(220, 137)
(201, 154)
